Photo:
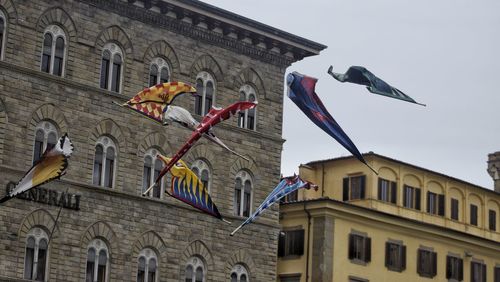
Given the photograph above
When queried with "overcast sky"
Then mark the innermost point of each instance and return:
(445, 54)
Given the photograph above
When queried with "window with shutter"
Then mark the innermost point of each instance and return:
(454, 268)
(345, 190)
(496, 273)
(426, 263)
(291, 243)
(354, 188)
(411, 197)
(359, 248)
(435, 203)
(473, 214)
(454, 209)
(387, 190)
(492, 220)
(395, 256)
(477, 272)
(441, 205)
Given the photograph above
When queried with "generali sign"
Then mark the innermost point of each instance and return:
(48, 196)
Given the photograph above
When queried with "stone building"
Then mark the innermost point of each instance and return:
(407, 223)
(62, 65)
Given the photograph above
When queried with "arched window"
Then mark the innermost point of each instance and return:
(243, 193)
(3, 32)
(202, 170)
(195, 270)
(104, 162)
(159, 72)
(147, 266)
(152, 168)
(45, 138)
(111, 67)
(53, 51)
(239, 273)
(205, 88)
(97, 261)
(36, 256)
(248, 118)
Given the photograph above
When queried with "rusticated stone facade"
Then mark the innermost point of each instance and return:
(191, 37)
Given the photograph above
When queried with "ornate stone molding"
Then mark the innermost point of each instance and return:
(198, 33)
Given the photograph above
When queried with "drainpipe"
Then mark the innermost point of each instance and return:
(322, 180)
(308, 239)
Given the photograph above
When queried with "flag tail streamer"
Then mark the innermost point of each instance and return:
(210, 136)
(286, 186)
(5, 198)
(362, 76)
(301, 92)
(185, 119)
(51, 165)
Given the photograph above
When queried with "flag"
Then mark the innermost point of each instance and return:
(301, 92)
(213, 117)
(52, 165)
(153, 101)
(187, 187)
(361, 75)
(286, 186)
(185, 119)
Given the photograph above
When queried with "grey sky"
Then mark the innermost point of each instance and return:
(445, 54)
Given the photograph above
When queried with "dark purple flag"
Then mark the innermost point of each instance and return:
(301, 92)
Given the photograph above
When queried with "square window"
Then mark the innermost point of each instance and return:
(354, 188)
(395, 256)
(477, 272)
(359, 248)
(291, 243)
(454, 268)
(411, 197)
(426, 263)
(387, 190)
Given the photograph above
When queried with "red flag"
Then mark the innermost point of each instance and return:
(213, 117)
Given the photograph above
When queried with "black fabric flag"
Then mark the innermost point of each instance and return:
(361, 75)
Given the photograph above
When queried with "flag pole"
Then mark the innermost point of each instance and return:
(149, 189)
(236, 230)
(57, 218)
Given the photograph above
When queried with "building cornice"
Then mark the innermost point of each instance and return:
(114, 192)
(327, 206)
(94, 90)
(374, 155)
(268, 44)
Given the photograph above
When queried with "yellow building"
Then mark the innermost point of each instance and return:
(405, 224)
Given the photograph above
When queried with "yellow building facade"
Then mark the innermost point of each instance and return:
(405, 224)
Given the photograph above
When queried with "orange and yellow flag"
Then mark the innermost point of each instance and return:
(152, 102)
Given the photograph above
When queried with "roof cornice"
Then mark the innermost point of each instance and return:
(332, 204)
(375, 155)
(207, 23)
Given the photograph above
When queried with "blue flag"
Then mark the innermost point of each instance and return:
(285, 187)
(301, 92)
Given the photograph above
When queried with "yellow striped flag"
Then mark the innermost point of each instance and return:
(187, 187)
